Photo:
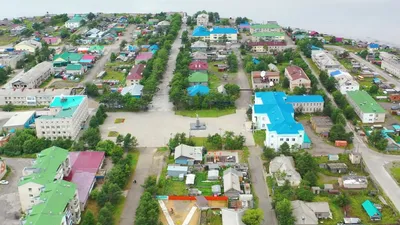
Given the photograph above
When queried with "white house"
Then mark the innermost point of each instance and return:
(28, 45)
(345, 82)
(202, 19)
(34, 77)
(324, 60)
(74, 22)
(282, 169)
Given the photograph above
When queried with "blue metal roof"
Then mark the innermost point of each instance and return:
(223, 30)
(200, 31)
(304, 98)
(315, 48)
(154, 47)
(335, 73)
(198, 89)
(370, 208)
(376, 80)
(373, 45)
(255, 61)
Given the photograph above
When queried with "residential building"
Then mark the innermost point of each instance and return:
(34, 77)
(85, 169)
(143, 57)
(306, 103)
(30, 97)
(74, 22)
(337, 167)
(321, 124)
(345, 82)
(215, 34)
(66, 58)
(66, 117)
(50, 165)
(267, 27)
(198, 90)
(75, 69)
(29, 45)
(52, 40)
(353, 182)
(355, 157)
(212, 175)
(135, 75)
(282, 169)
(199, 56)
(267, 36)
(391, 66)
(17, 30)
(370, 208)
(188, 155)
(297, 77)
(20, 120)
(232, 179)
(264, 79)
(163, 23)
(244, 26)
(267, 46)
(324, 60)
(309, 212)
(273, 114)
(198, 78)
(200, 46)
(202, 19)
(97, 49)
(3, 168)
(232, 216)
(11, 58)
(199, 66)
(176, 170)
(372, 47)
(366, 107)
(135, 90)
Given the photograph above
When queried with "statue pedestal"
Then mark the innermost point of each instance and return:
(198, 125)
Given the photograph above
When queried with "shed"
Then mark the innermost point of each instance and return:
(316, 190)
(337, 167)
(213, 175)
(373, 213)
(355, 157)
(216, 189)
(175, 170)
(328, 187)
(351, 220)
(213, 166)
(19, 120)
(190, 179)
(333, 157)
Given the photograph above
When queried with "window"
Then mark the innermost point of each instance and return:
(281, 139)
(272, 136)
(287, 139)
(30, 195)
(32, 201)
(293, 139)
(30, 189)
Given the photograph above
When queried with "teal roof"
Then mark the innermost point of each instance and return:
(268, 34)
(74, 67)
(67, 57)
(371, 210)
(306, 138)
(96, 48)
(76, 18)
(55, 198)
(69, 104)
(265, 26)
(46, 166)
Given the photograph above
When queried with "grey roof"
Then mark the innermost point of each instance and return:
(199, 44)
(337, 165)
(163, 23)
(213, 166)
(33, 74)
(177, 168)
(232, 216)
(285, 164)
(303, 214)
(19, 119)
(319, 207)
(190, 152)
(231, 180)
(328, 186)
(216, 188)
(33, 92)
(199, 55)
(212, 174)
(134, 90)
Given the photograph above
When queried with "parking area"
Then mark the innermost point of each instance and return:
(9, 199)
(155, 128)
(390, 119)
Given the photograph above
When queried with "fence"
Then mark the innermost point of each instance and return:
(193, 198)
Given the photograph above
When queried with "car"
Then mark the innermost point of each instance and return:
(4, 182)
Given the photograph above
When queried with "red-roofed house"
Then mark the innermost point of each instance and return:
(85, 168)
(135, 75)
(52, 40)
(143, 57)
(267, 46)
(339, 39)
(297, 77)
(260, 81)
(198, 66)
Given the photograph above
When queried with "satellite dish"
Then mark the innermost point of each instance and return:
(263, 73)
(271, 84)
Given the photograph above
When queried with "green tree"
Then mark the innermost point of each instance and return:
(113, 57)
(232, 62)
(232, 90)
(110, 192)
(305, 194)
(92, 90)
(106, 146)
(363, 54)
(373, 90)
(284, 148)
(64, 33)
(9, 107)
(215, 140)
(285, 83)
(91, 16)
(269, 153)
(299, 90)
(284, 212)
(150, 185)
(305, 163)
(310, 178)
(91, 137)
(117, 154)
(225, 22)
(106, 215)
(342, 200)
(88, 219)
(120, 139)
(253, 217)
(129, 142)
(148, 211)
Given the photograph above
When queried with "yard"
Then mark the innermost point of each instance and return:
(313, 66)
(171, 186)
(7, 39)
(114, 75)
(395, 172)
(214, 70)
(259, 137)
(202, 141)
(213, 81)
(205, 112)
(203, 185)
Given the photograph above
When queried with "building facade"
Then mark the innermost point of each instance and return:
(30, 97)
(267, 46)
(202, 19)
(324, 60)
(345, 82)
(297, 77)
(367, 109)
(306, 104)
(29, 45)
(391, 66)
(268, 27)
(66, 117)
(34, 77)
(216, 34)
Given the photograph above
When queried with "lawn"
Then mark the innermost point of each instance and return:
(114, 75)
(203, 185)
(113, 134)
(6, 39)
(170, 186)
(213, 81)
(205, 112)
(313, 66)
(259, 137)
(46, 82)
(92, 206)
(135, 157)
(214, 69)
(244, 155)
(395, 172)
(118, 210)
(202, 141)
(119, 120)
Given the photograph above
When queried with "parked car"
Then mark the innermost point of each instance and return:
(4, 182)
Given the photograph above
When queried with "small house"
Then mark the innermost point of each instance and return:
(198, 78)
(190, 179)
(353, 182)
(188, 155)
(232, 180)
(75, 69)
(328, 187)
(199, 66)
(373, 213)
(355, 157)
(176, 170)
(143, 57)
(316, 190)
(337, 167)
(213, 175)
(213, 166)
(201, 56)
(198, 90)
(134, 90)
(333, 157)
(216, 189)
(200, 46)
(20, 120)
(351, 220)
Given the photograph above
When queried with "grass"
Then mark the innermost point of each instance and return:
(202, 141)
(170, 186)
(46, 82)
(259, 137)
(118, 210)
(244, 155)
(395, 172)
(214, 69)
(6, 39)
(135, 157)
(213, 81)
(162, 149)
(119, 120)
(313, 66)
(113, 134)
(205, 112)
(114, 75)
(204, 187)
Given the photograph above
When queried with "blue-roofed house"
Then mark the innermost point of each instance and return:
(154, 49)
(134, 90)
(255, 61)
(244, 26)
(376, 80)
(373, 47)
(272, 113)
(373, 213)
(201, 32)
(316, 48)
(198, 89)
(345, 81)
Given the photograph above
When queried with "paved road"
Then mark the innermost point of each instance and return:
(245, 95)
(161, 99)
(258, 179)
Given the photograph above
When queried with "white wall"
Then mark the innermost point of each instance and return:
(27, 194)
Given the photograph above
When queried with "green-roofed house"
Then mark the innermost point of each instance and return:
(373, 213)
(268, 36)
(66, 58)
(75, 69)
(98, 49)
(366, 107)
(50, 165)
(58, 204)
(198, 78)
(267, 27)
(75, 22)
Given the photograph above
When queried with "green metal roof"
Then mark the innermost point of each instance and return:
(198, 77)
(76, 18)
(98, 48)
(265, 26)
(69, 104)
(54, 197)
(67, 57)
(365, 102)
(46, 165)
(268, 34)
(74, 67)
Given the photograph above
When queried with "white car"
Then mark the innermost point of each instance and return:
(3, 182)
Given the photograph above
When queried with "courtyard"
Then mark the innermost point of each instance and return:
(155, 128)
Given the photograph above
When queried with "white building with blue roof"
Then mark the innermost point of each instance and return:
(274, 113)
(345, 82)
(215, 34)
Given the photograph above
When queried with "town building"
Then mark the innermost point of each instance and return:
(66, 58)
(306, 103)
(264, 79)
(17, 30)
(345, 82)
(11, 58)
(28, 45)
(135, 90)
(143, 57)
(310, 212)
(66, 117)
(75, 69)
(324, 60)
(267, 27)
(372, 47)
(50, 165)
(74, 22)
(200, 46)
(282, 169)
(232, 179)
(199, 66)
(198, 78)
(372, 211)
(34, 77)
(20, 120)
(355, 157)
(267, 46)
(202, 19)
(353, 182)
(135, 75)
(188, 155)
(199, 56)
(321, 124)
(216, 34)
(273, 114)
(391, 66)
(232, 216)
(30, 97)
(268, 36)
(297, 77)
(52, 40)
(367, 109)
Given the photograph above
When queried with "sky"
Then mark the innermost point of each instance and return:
(361, 19)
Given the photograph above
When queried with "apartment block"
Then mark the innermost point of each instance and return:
(31, 97)
(366, 107)
(324, 60)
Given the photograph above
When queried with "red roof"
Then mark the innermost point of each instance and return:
(136, 72)
(268, 43)
(51, 40)
(257, 74)
(296, 72)
(88, 57)
(198, 65)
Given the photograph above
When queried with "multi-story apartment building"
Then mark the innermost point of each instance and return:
(267, 46)
(66, 117)
(30, 97)
(267, 36)
(34, 77)
(202, 19)
(267, 27)
(215, 34)
(324, 60)
(297, 77)
(51, 164)
(345, 82)
(366, 107)
(391, 66)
